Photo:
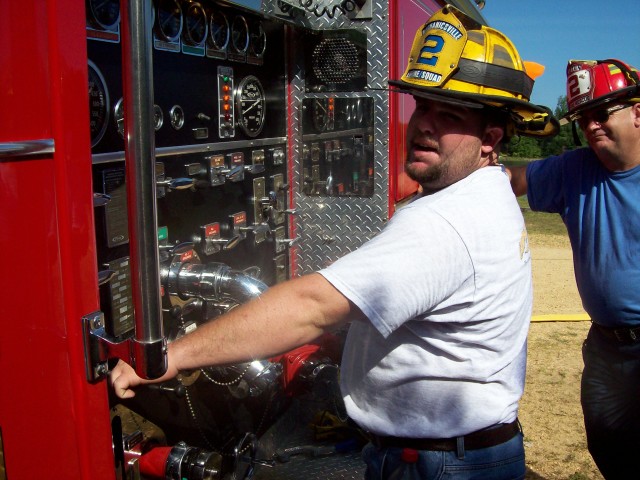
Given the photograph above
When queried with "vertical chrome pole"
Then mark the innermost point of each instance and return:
(149, 346)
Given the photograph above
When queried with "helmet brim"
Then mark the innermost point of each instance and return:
(624, 95)
(529, 119)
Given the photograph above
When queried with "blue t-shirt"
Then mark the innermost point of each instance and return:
(601, 210)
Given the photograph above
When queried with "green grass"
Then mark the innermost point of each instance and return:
(541, 223)
(537, 222)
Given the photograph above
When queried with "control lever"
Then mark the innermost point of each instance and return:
(329, 182)
(257, 229)
(100, 199)
(235, 174)
(268, 203)
(254, 169)
(176, 183)
(227, 243)
(289, 211)
(181, 248)
(105, 276)
(179, 389)
(287, 241)
(253, 272)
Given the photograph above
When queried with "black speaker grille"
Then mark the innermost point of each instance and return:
(335, 60)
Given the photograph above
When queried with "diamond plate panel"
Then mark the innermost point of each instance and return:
(309, 458)
(329, 227)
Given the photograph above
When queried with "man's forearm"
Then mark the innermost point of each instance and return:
(281, 319)
(518, 178)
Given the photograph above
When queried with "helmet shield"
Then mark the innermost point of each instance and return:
(591, 83)
(456, 59)
(442, 37)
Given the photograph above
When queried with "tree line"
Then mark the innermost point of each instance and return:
(530, 147)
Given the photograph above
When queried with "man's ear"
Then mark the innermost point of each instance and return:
(636, 114)
(491, 138)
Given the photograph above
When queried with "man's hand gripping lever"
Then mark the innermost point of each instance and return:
(124, 379)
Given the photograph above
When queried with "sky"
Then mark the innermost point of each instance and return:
(551, 32)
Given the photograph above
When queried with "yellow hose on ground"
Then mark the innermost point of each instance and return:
(555, 317)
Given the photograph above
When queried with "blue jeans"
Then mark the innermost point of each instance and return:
(610, 397)
(501, 462)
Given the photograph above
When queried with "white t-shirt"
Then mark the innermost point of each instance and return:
(446, 287)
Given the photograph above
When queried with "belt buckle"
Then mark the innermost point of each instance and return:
(632, 334)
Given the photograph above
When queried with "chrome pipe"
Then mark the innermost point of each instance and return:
(149, 345)
(217, 282)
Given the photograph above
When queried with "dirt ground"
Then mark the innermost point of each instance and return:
(550, 412)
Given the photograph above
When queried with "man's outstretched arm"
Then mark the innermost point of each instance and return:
(518, 178)
(282, 318)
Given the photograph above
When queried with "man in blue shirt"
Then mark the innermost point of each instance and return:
(596, 191)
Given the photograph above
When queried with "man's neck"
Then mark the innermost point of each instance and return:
(627, 160)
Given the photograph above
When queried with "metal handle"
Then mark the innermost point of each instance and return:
(28, 147)
(176, 183)
(149, 346)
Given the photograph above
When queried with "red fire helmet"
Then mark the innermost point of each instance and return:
(591, 83)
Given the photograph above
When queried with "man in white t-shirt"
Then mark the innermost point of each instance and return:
(439, 302)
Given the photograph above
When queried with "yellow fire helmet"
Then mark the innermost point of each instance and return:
(458, 60)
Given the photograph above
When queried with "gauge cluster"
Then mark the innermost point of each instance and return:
(194, 103)
(98, 104)
(201, 28)
(337, 150)
(218, 118)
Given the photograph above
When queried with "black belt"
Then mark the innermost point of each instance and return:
(488, 437)
(622, 335)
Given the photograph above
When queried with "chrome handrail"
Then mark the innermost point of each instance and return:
(149, 345)
(27, 147)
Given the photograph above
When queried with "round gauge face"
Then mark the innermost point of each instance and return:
(219, 30)
(250, 105)
(98, 104)
(194, 30)
(359, 112)
(168, 20)
(176, 115)
(240, 34)
(158, 118)
(104, 14)
(320, 113)
(257, 40)
(118, 116)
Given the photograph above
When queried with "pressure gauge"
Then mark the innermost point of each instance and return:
(98, 104)
(103, 14)
(218, 30)
(158, 118)
(168, 20)
(257, 40)
(194, 31)
(118, 116)
(240, 34)
(250, 105)
(176, 115)
(359, 112)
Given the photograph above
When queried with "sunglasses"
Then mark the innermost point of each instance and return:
(599, 116)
